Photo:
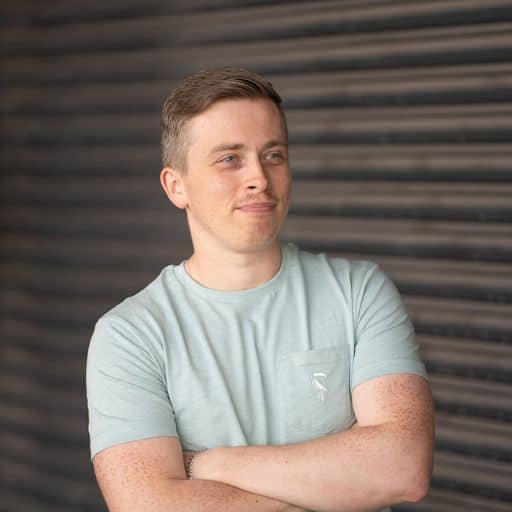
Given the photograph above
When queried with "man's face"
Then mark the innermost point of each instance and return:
(237, 183)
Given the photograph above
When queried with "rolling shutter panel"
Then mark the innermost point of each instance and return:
(400, 127)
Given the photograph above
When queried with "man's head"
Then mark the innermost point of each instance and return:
(195, 94)
(228, 165)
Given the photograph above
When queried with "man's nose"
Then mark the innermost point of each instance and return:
(257, 178)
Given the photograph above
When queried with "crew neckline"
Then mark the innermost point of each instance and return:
(270, 286)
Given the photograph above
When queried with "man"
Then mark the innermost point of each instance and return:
(274, 379)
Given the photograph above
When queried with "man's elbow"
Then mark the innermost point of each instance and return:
(418, 470)
(417, 485)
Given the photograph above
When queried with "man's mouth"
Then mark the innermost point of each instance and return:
(258, 207)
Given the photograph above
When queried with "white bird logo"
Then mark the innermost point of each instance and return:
(319, 388)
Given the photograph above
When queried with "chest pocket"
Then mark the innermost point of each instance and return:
(315, 392)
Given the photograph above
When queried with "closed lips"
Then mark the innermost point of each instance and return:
(257, 206)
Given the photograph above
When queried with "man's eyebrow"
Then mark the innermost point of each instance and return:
(272, 143)
(226, 147)
(235, 147)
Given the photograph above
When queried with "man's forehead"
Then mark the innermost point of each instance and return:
(230, 106)
(227, 123)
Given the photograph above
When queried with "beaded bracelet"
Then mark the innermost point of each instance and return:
(188, 466)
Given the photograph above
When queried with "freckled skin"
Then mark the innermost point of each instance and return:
(410, 414)
(149, 475)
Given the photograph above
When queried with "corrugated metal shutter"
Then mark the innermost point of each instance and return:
(400, 124)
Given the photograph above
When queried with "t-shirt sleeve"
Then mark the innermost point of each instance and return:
(126, 393)
(385, 341)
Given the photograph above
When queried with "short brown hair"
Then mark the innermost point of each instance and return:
(195, 94)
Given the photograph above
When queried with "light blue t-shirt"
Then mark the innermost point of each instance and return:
(266, 366)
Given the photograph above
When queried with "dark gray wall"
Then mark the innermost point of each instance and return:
(399, 115)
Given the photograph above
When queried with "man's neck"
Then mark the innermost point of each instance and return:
(234, 271)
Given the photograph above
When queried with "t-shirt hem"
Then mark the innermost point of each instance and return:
(397, 366)
(101, 443)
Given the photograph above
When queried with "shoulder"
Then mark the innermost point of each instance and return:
(148, 302)
(353, 274)
(135, 322)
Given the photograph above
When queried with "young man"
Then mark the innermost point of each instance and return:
(274, 379)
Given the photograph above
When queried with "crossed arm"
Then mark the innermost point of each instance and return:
(387, 458)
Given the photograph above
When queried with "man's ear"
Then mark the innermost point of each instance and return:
(172, 183)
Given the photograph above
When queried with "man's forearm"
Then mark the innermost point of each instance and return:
(211, 496)
(365, 468)
(164, 495)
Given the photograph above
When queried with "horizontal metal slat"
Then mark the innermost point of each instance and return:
(26, 449)
(56, 427)
(96, 252)
(490, 478)
(105, 159)
(442, 500)
(483, 123)
(82, 129)
(16, 14)
(80, 191)
(47, 486)
(19, 501)
(403, 200)
(423, 47)
(468, 240)
(461, 318)
(55, 369)
(98, 222)
(486, 438)
(74, 311)
(472, 397)
(440, 84)
(52, 339)
(57, 12)
(251, 23)
(458, 162)
(403, 83)
(21, 387)
(91, 282)
(482, 359)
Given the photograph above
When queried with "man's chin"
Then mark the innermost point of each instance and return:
(258, 242)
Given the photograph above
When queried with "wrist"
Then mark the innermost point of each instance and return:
(206, 465)
(191, 465)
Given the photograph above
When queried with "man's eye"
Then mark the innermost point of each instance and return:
(229, 159)
(274, 156)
